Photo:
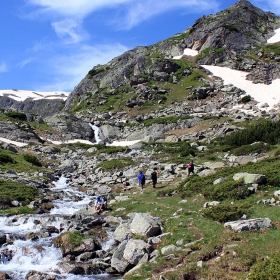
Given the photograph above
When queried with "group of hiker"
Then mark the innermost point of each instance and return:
(155, 173)
(142, 178)
(101, 201)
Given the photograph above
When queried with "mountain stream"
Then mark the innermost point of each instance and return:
(19, 256)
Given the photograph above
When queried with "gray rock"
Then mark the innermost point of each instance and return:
(118, 262)
(210, 204)
(144, 224)
(135, 250)
(110, 132)
(68, 166)
(277, 194)
(253, 224)
(219, 181)
(122, 232)
(170, 249)
(249, 178)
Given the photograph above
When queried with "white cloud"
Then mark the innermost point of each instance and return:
(133, 11)
(24, 62)
(39, 46)
(142, 10)
(77, 8)
(70, 29)
(70, 69)
(3, 67)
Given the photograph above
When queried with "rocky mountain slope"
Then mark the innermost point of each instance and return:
(148, 83)
(173, 110)
(232, 37)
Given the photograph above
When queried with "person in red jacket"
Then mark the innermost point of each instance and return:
(190, 168)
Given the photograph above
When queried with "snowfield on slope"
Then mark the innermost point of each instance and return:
(21, 95)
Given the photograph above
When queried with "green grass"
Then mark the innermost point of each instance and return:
(179, 37)
(180, 152)
(69, 240)
(206, 52)
(165, 120)
(269, 48)
(190, 223)
(20, 162)
(17, 210)
(116, 164)
(11, 190)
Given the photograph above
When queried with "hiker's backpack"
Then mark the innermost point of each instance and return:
(143, 179)
(154, 175)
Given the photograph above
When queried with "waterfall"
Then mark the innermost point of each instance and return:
(96, 133)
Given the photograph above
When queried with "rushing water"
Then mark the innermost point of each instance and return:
(96, 133)
(67, 205)
(18, 256)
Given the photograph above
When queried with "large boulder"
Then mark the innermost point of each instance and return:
(64, 242)
(252, 224)
(135, 250)
(18, 133)
(117, 261)
(249, 178)
(70, 127)
(122, 232)
(109, 132)
(68, 165)
(145, 224)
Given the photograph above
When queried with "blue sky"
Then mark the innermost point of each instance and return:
(49, 45)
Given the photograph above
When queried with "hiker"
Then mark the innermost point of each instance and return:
(190, 168)
(141, 179)
(100, 204)
(154, 176)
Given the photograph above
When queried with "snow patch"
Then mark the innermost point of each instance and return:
(21, 95)
(260, 92)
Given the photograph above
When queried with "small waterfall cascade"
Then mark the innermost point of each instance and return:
(19, 255)
(73, 200)
(96, 133)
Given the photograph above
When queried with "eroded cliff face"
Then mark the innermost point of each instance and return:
(221, 39)
(43, 107)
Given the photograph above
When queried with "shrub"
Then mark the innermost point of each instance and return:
(4, 158)
(95, 71)
(224, 213)
(102, 148)
(77, 145)
(32, 159)
(165, 120)
(266, 269)
(263, 130)
(229, 189)
(16, 115)
(231, 27)
(259, 147)
(245, 99)
(277, 153)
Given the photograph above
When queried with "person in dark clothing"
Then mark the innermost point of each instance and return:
(190, 168)
(154, 176)
(141, 179)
